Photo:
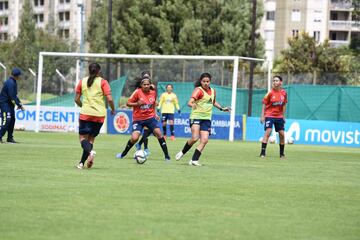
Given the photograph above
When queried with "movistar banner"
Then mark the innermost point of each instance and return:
(311, 132)
(121, 123)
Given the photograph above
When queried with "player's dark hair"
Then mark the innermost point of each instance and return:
(279, 77)
(137, 82)
(145, 74)
(94, 69)
(169, 85)
(203, 75)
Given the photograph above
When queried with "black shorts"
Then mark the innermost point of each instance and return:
(151, 124)
(88, 127)
(278, 123)
(167, 116)
(205, 125)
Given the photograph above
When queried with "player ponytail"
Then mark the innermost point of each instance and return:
(203, 75)
(94, 69)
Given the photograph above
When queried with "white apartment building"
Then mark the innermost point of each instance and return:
(63, 15)
(322, 19)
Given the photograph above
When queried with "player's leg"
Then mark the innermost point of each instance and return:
(10, 130)
(267, 127)
(205, 128)
(5, 121)
(279, 127)
(195, 134)
(86, 146)
(164, 121)
(137, 129)
(95, 130)
(152, 124)
(171, 123)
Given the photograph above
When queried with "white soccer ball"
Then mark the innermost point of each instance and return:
(272, 139)
(140, 156)
(290, 140)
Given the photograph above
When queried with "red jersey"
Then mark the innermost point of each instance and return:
(274, 103)
(198, 94)
(147, 110)
(105, 87)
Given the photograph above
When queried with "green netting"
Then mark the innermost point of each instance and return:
(332, 103)
(67, 100)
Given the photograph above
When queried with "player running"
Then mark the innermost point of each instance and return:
(93, 111)
(201, 101)
(143, 101)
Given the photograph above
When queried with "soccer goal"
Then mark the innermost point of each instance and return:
(59, 72)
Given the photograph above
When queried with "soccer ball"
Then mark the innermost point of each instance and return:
(272, 139)
(140, 156)
(290, 140)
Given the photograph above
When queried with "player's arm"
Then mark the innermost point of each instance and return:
(13, 96)
(196, 95)
(262, 118)
(77, 98)
(221, 108)
(107, 92)
(176, 103)
(134, 100)
(264, 102)
(284, 111)
(161, 101)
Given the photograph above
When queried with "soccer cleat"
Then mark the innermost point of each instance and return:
(262, 155)
(282, 156)
(119, 155)
(167, 159)
(80, 165)
(179, 155)
(11, 140)
(172, 138)
(138, 146)
(91, 157)
(194, 163)
(147, 151)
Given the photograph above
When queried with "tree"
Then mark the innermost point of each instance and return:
(24, 51)
(305, 55)
(160, 27)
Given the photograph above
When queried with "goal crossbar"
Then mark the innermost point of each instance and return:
(235, 60)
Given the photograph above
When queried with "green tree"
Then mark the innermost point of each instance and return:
(305, 55)
(160, 27)
(24, 52)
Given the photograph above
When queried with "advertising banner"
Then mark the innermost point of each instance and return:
(311, 132)
(52, 119)
(121, 123)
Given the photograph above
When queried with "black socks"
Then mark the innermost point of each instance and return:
(172, 130)
(263, 149)
(87, 147)
(186, 148)
(282, 147)
(196, 155)
(163, 145)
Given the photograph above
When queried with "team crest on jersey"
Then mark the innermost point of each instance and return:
(121, 122)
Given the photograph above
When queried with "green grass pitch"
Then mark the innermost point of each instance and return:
(313, 194)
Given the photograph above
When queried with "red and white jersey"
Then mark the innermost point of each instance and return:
(147, 110)
(274, 102)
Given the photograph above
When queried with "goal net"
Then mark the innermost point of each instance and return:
(58, 74)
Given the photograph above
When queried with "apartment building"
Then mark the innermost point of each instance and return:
(322, 19)
(60, 16)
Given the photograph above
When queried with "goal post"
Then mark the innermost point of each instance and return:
(233, 59)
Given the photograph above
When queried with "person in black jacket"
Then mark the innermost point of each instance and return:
(8, 100)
